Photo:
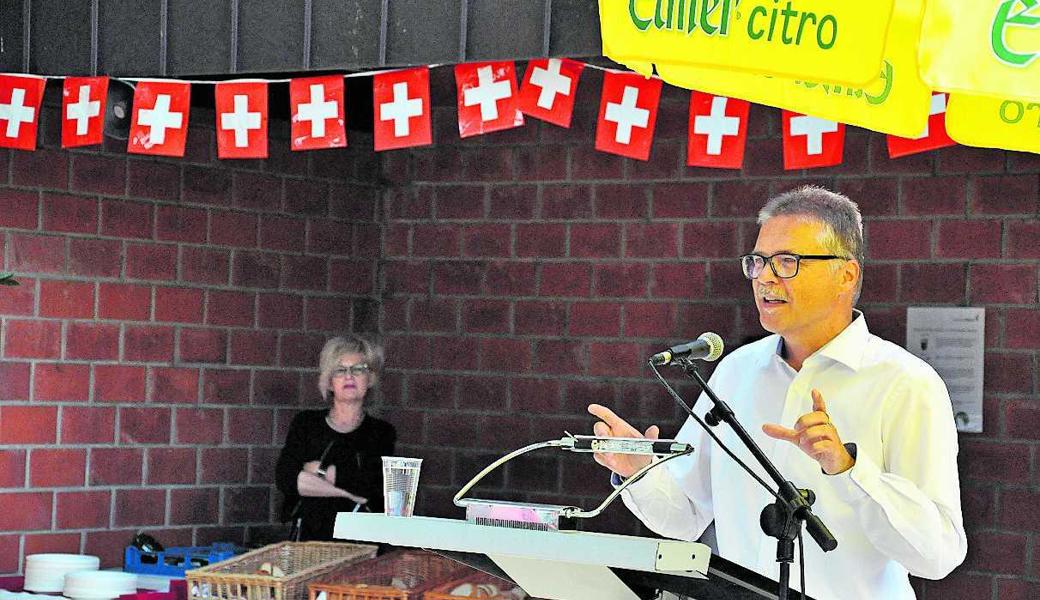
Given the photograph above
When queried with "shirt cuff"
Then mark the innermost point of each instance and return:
(853, 485)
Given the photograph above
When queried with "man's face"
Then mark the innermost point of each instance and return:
(802, 306)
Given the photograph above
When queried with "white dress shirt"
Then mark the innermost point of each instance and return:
(896, 511)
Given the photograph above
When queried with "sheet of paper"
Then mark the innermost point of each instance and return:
(951, 340)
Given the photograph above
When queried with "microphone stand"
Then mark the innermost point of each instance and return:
(784, 518)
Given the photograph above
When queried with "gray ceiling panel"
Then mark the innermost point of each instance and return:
(61, 37)
(199, 37)
(418, 35)
(130, 37)
(345, 33)
(271, 36)
(488, 39)
(12, 24)
(574, 28)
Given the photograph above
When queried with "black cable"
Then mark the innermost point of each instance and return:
(682, 403)
(801, 561)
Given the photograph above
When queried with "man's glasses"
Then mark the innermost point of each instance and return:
(784, 264)
(353, 370)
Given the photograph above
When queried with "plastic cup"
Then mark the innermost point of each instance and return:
(400, 483)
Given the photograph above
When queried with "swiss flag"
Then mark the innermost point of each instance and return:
(718, 131)
(933, 137)
(548, 89)
(316, 106)
(402, 109)
(487, 98)
(83, 111)
(160, 120)
(241, 119)
(20, 98)
(627, 114)
(811, 142)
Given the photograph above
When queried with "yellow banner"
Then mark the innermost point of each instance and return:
(895, 102)
(801, 39)
(982, 47)
(989, 122)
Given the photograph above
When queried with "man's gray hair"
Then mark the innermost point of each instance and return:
(844, 235)
(350, 343)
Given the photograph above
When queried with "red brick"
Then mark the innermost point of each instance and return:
(1009, 372)
(448, 353)
(28, 424)
(250, 426)
(457, 277)
(540, 240)
(589, 163)
(595, 240)
(1008, 194)
(656, 320)
(565, 279)
(996, 552)
(621, 279)
(435, 240)
(615, 359)
(108, 545)
(15, 376)
(510, 278)
(433, 315)
(148, 343)
(1003, 284)
(57, 468)
(329, 237)
(969, 239)
(36, 253)
(149, 179)
(25, 511)
(933, 282)
(144, 426)
(481, 241)
(180, 224)
(327, 314)
(116, 466)
(404, 277)
(656, 240)
(595, 319)
(230, 308)
(560, 357)
(33, 339)
(513, 202)
(42, 168)
(180, 305)
(459, 202)
(965, 159)
(225, 387)
(256, 269)
(680, 200)
(194, 506)
(126, 219)
(151, 261)
(876, 196)
(19, 300)
(306, 197)
(62, 382)
(930, 196)
(356, 277)
(257, 191)
(92, 341)
(739, 199)
(60, 543)
(961, 585)
(1017, 510)
(10, 545)
(83, 510)
(139, 507)
(990, 461)
(1022, 419)
(66, 299)
(505, 355)
(171, 465)
(224, 465)
(1016, 589)
(880, 283)
(490, 163)
(229, 228)
(282, 233)
(18, 209)
(170, 385)
(710, 239)
(535, 396)
(204, 265)
(100, 258)
(124, 302)
(899, 239)
(199, 426)
(540, 318)
(12, 468)
(621, 201)
(1023, 239)
(486, 316)
(1023, 328)
(566, 201)
(119, 383)
(247, 504)
(99, 174)
(280, 310)
(203, 345)
(205, 185)
(301, 350)
(65, 213)
(87, 425)
(252, 347)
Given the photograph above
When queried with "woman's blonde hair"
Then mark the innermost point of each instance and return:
(351, 343)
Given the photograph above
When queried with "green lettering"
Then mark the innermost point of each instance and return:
(751, 23)
(641, 24)
(1031, 106)
(706, 13)
(772, 23)
(834, 32)
(658, 21)
(787, 13)
(1017, 106)
(801, 25)
(1005, 18)
(887, 75)
(724, 29)
(691, 17)
(681, 17)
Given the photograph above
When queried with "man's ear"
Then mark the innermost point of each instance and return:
(850, 274)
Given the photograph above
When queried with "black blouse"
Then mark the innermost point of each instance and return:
(359, 468)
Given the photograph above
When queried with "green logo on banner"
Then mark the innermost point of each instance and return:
(1013, 13)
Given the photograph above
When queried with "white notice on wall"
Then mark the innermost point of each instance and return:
(952, 341)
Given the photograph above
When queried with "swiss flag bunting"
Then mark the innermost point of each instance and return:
(241, 108)
(933, 137)
(316, 105)
(487, 98)
(627, 114)
(717, 131)
(402, 109)
(83, 111)
(549, 88)
(811, 141)
(20, 98)
(160, 121)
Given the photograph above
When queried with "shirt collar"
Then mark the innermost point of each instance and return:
(846, 347)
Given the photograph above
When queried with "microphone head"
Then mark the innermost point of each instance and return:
(715, 345)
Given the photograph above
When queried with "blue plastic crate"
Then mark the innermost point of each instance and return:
(175, 561)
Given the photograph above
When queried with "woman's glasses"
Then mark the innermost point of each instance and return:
(353, 370)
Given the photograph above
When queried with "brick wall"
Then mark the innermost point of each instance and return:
(166, 328)
(526, 274)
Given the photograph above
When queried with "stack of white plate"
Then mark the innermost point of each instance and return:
(46, 572)
(99, 585)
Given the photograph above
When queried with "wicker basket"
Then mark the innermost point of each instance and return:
(401, 575)
(476, 585)
(302, 563)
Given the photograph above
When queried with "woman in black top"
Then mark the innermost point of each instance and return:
(332, 461)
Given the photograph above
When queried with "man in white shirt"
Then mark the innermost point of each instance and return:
(862, 422)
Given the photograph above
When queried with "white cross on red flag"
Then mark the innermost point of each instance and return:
(316, 106)
(241, 119)
(811, 142)
(83, 111)
(717, 131)
(547, 92)
(20, 98)
(933, 137)
(402, 109)
(159, 124)
(487, 98)
(627, 114)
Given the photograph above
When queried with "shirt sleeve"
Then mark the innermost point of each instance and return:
(292, 457)
(909, 506)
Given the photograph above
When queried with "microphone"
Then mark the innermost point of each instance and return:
(707, 347)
